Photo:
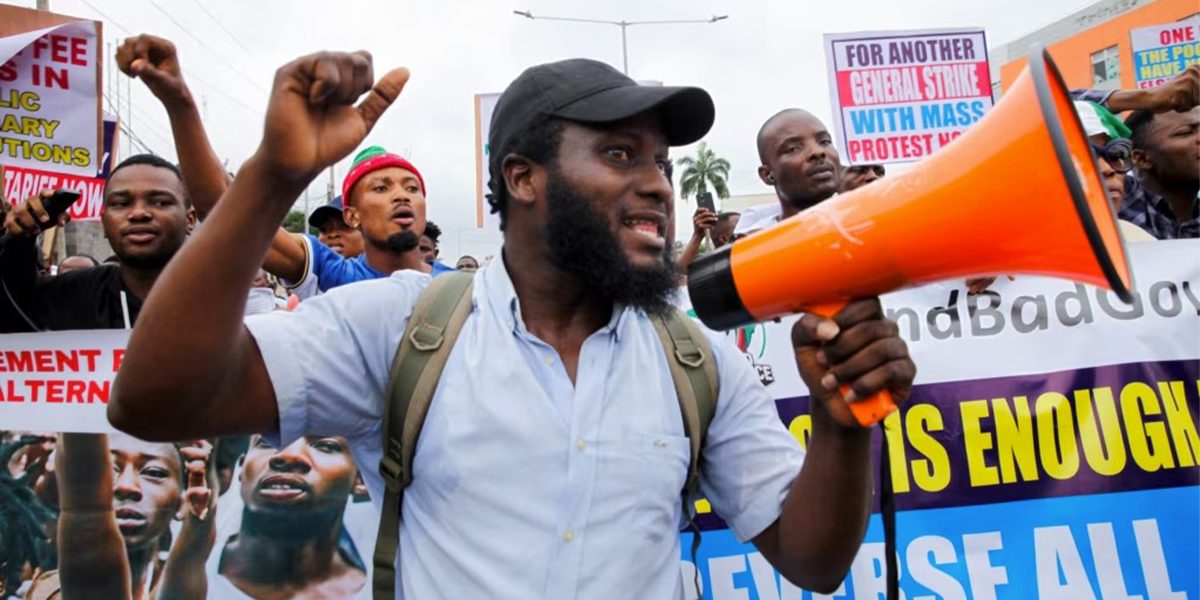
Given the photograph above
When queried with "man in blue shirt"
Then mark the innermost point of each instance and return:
(384, 194)
(552, 457)
(429, 242)
(384, 197)
(333, 231)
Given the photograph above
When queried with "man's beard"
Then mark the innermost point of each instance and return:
(583, 245)
(405, 241)
(290, 524)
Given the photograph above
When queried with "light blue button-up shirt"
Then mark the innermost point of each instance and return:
(526, 485)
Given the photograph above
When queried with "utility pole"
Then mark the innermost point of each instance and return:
(623, 25)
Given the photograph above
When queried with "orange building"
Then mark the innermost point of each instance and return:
(1091, 47)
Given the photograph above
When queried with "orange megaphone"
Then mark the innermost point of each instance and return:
(967, 210)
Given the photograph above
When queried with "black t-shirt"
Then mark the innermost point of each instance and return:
(81, 299)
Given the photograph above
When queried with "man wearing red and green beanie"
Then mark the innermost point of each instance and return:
(384, 198)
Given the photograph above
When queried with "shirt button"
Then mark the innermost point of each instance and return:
(568, 536)
(549, 360)
(580, 444)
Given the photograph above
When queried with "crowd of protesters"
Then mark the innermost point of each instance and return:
(260, 496)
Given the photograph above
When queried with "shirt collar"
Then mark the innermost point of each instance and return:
(497, 291)
(362, 260)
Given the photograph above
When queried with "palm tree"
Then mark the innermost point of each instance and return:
(706, 168)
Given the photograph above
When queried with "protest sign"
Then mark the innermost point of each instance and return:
(50, 95)
(1164, 51)
(1049, 449)
(59, 381)
(21, 183)
(898, 96)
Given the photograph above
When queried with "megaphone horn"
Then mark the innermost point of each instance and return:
(1018, 193)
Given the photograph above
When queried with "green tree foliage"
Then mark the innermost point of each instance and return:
(294, 222)
(701, 171)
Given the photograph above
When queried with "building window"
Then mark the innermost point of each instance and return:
(1106, 68)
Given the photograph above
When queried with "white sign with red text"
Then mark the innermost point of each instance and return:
(59, 380)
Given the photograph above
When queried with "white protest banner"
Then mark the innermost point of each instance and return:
(49, 96)
(898, 96)
(1164, 51)
(60, 380)
(21, 183)
(1049, 449)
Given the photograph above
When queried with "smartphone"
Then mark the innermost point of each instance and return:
(705, 200)
(60, 201)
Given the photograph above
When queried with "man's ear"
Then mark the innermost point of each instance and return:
(191, 219)
(350, 216)
(1141, 160)
(524, 179)
(764, 173)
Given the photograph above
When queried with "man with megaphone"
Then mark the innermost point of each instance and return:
(556, 427)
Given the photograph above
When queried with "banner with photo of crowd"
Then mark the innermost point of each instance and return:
(1049, 451)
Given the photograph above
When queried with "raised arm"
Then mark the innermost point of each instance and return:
(190, 344)
(155, 61)
(183, 576)
(702, 224)
(1180, 94)
(91, 557)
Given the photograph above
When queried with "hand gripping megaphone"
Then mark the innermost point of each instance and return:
(1018, 193)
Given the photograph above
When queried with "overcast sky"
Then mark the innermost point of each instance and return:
(766, 56)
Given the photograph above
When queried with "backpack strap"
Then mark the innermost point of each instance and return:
(694, 371)
(432, 329)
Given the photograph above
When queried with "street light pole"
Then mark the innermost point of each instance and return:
(624, 49)
(623, 25)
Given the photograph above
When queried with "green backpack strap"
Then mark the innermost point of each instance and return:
(694, 371)
(432, 329)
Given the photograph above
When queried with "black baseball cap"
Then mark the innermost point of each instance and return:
(591, 92)
(318, 216)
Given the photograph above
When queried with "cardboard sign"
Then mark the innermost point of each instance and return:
(899, 96)
(21, 183)
(50, 97)
(1164, 51)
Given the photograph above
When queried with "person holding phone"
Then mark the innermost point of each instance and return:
(147, 216)
(708, 224)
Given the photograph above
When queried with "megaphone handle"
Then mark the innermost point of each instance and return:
(868, 411)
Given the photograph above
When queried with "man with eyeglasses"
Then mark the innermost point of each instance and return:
(1109, 139)
(860, 175)
(1162, 195)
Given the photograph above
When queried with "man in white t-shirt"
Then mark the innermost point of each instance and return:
(289, 542)
(799, 162)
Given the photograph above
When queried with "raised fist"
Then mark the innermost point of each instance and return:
(199, 496)
(312, 121)
(153, 60)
